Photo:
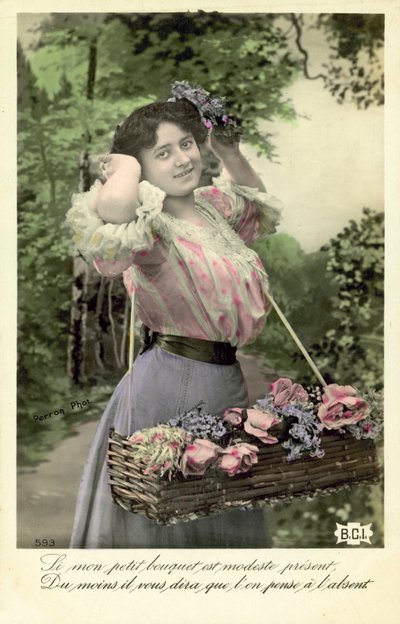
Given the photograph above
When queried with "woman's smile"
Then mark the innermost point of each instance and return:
(184, 173)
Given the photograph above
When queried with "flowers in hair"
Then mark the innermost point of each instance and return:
(212, 110)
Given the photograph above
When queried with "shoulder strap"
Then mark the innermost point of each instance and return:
(295, 338)
(132, 332)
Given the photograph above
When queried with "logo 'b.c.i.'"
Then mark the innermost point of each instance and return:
(353, 533)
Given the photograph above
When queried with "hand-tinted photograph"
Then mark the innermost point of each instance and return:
(201, 260)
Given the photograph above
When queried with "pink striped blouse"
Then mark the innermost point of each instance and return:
(189, 280)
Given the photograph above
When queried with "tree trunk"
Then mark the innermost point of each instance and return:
(77, 333)
(78, 324)
(46, 165)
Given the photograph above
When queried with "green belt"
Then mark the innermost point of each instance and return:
(195, 349)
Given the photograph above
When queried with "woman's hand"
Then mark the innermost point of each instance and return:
(235, 164)
(111, 163)
(118, 197)
(223, 151)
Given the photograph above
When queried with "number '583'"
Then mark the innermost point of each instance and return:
(45, 542)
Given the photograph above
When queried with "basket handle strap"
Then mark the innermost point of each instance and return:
(127, 397)
(295, 337)
(132, 332)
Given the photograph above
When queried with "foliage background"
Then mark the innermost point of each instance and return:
(72, 92)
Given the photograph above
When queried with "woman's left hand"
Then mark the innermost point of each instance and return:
(223, 151)
(235, 163)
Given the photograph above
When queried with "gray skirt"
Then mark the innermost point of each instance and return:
(160, 386)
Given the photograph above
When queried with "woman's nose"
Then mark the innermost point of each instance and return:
(182, 158)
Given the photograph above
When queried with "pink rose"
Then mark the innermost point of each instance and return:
(257, 424)
(238, 458)
(198, 456)
(341, 406)
(285, 391)
(233, 416)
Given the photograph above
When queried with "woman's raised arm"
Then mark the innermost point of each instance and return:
(236, 165)
(117, 200)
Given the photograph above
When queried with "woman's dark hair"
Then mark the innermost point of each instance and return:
(139, 130)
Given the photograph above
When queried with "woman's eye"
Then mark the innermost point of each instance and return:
(162, 154)
(187, 143)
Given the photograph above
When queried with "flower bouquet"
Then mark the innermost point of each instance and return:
(293, 442)
(212, 110)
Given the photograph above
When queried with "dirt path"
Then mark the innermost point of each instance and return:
(46, 494)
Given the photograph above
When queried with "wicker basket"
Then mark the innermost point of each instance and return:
(273, 478)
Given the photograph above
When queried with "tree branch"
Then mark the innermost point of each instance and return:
(303, 51)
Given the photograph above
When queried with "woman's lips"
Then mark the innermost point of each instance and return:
(184, 173)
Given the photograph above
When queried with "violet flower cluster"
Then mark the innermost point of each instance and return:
(303, 430)
(212, 110)
(370, 427)
(304, 433)
(200, 424)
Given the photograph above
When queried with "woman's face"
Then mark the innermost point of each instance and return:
(174, 163)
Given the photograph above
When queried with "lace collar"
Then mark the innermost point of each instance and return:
(218, 237)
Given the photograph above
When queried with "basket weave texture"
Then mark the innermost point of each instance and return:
(346, 461)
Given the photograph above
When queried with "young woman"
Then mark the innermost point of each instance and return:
(199, 289)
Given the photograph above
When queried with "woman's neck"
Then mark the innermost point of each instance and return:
(184, 208)
(180, 207)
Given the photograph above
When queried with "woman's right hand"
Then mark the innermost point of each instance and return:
(118, 197)
(110, 163)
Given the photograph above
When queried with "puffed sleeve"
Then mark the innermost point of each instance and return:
(114, 247)
(251, 213)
